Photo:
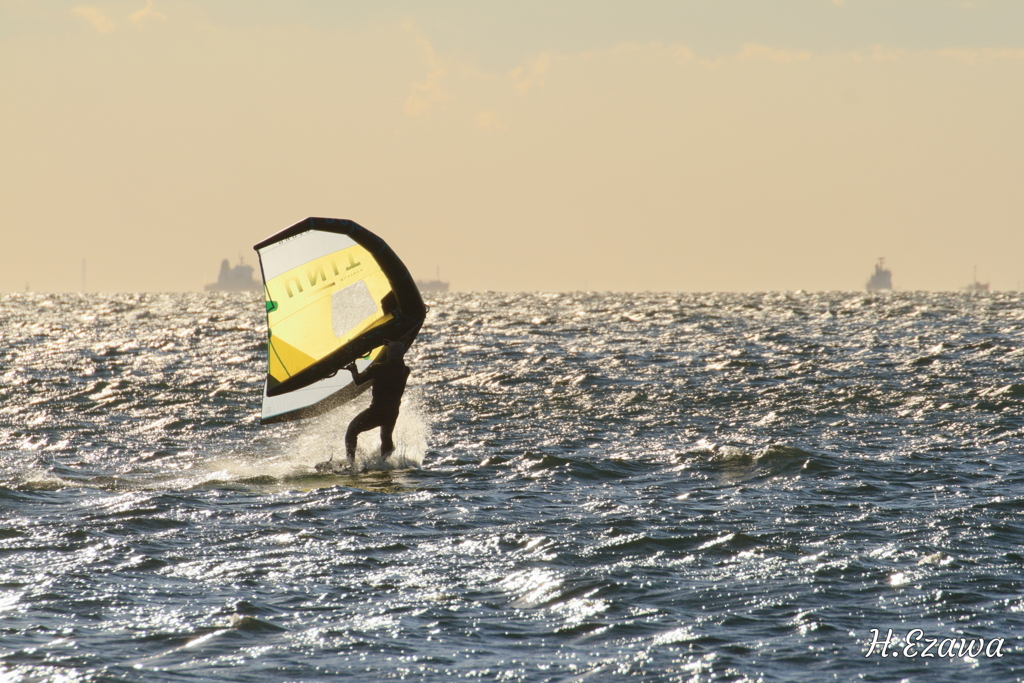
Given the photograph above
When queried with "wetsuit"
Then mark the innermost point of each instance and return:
(389, 380)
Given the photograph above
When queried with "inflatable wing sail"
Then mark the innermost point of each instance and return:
(335, 293)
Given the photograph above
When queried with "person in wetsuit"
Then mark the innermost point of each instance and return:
(389, 380)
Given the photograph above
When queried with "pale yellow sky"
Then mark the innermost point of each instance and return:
(520, 146)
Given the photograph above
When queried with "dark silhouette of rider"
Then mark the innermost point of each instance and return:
(389, 380)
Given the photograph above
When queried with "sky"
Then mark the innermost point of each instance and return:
(650, 145)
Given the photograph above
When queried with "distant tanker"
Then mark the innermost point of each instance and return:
(237, 279)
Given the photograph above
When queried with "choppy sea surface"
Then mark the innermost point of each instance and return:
(588, 487)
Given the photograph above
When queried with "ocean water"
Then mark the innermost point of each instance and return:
(588, 487)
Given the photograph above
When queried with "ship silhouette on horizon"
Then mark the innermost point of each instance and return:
(975, 286)
(236, 279)
(881, 279)
(435, 286)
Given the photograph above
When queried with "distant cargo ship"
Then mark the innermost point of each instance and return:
(434, 286)
(237, 279)
(881, 279)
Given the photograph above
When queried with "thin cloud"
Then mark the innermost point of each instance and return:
(681, 53)
(982, 56)
(96, 17)
(146, 13)
(425, 94)
(881, 54)
(754, 52)
(527, 77)
(766, 53)
(488, 120)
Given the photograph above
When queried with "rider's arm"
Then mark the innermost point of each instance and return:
(362, 377)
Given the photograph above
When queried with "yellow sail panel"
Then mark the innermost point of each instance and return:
(282, 356)
(319, 306)
(304, 348)
(308, 331)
